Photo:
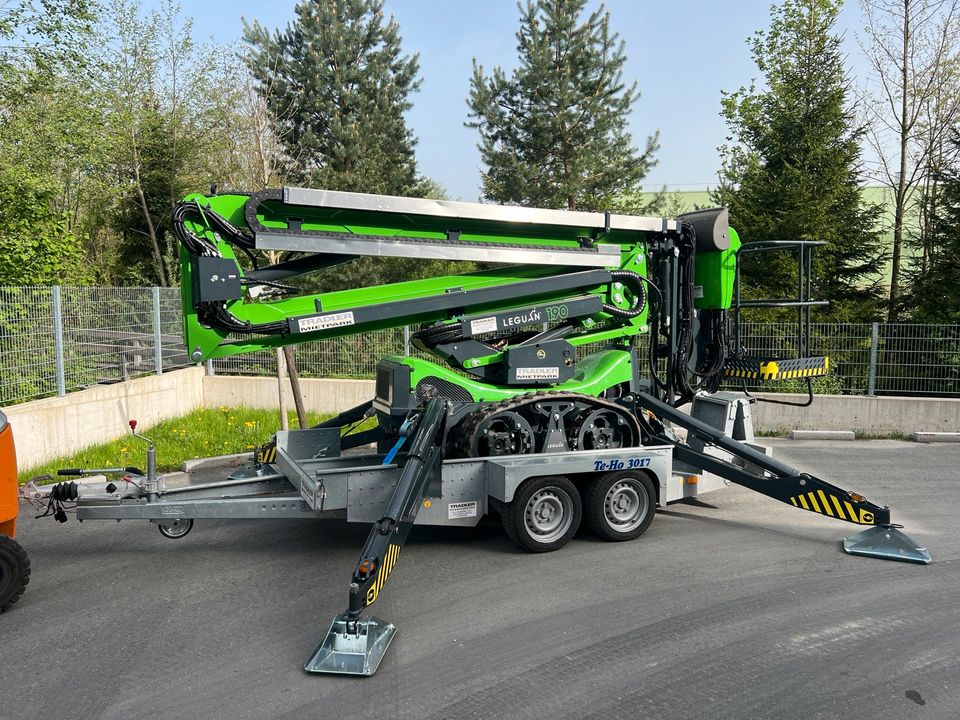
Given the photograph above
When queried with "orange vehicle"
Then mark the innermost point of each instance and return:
(14, 563)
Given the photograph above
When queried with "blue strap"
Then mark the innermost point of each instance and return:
(388, 458)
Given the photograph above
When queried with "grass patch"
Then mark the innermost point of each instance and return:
(863, 435)
(858, 434)
(202, 433)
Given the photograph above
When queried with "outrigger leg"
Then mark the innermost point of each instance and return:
(355, 645)
(888, 543)
(787, 484)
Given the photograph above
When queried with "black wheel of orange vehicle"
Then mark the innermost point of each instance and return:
(14, 571)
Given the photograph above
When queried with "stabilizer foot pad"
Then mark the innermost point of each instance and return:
(355, 651)
(886, 543)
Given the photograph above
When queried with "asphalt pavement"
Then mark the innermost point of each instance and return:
(733, 607)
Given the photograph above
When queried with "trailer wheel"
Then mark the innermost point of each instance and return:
(175, 529)
(14, 571)
(544, 515)
(620, 505)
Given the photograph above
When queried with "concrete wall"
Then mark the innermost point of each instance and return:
(319, 395)
(53, 427)
(876, 415)
(46, 429)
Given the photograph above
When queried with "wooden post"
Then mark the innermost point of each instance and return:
(295, 386)
(281, 364)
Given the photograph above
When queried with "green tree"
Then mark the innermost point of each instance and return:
(37, 246)
(44, 136)
(554, 133)
(913, 101)
(936, 291)
(337, 82)
(45, 35)
(170, 106)
(792, 166)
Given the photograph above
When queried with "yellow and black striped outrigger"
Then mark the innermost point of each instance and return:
(763, 473)
(843, 506)
(758, 368)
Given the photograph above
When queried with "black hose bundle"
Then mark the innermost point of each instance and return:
(201, 246)
(709, 370)
(687, 247)
(216, 314)
(714, 355)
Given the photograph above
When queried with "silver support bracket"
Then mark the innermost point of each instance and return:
(352, 650)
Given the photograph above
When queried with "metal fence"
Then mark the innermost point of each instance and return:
(870, 358)
(54, 340)
(57, 339)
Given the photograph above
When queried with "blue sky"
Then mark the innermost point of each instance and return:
(681, 53)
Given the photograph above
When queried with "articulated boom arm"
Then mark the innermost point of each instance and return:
(585, 271)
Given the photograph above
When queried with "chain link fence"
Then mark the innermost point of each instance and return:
(54, 340)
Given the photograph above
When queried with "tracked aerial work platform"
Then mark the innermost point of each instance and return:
(576, 373)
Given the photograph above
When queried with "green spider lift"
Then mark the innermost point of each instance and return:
(533, 395)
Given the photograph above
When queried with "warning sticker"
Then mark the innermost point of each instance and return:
(538, 373)
(462, 510)
(323, 322)
(698, 291)
(483, 325)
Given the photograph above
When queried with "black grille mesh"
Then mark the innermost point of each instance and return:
(438, 387)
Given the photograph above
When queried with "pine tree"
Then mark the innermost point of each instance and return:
(554, 134)
(792, 170)
(337, 82)
(936, 292)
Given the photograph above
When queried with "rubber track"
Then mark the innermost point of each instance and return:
(467, 430)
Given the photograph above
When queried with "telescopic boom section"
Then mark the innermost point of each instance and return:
(234, 302)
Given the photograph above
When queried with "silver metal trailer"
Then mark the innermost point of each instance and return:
(540, 497)
(358, 486)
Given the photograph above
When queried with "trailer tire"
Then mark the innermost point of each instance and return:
(620, 505)
(544, 514)
(14, 571)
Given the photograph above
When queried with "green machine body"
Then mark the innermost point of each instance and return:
(714, 276)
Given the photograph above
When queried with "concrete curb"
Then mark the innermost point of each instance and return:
(235, 459)
(822, 435)
(929, 437)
